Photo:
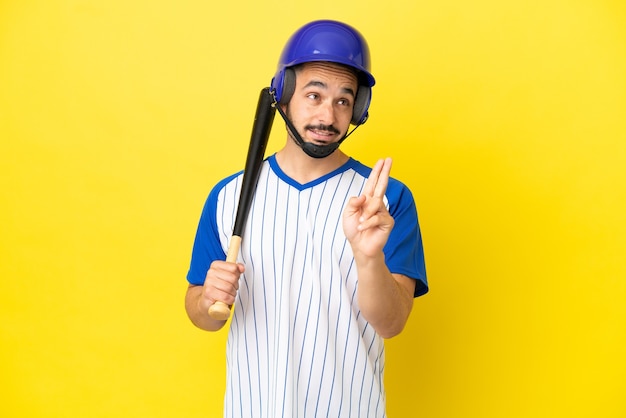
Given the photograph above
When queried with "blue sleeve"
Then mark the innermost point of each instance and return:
(404, 252)
(207, 247)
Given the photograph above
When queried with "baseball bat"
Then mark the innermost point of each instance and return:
(261, 128)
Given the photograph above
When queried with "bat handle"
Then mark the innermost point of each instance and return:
(220, 310)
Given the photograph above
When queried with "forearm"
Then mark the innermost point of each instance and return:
(385, 300)
(197, 311)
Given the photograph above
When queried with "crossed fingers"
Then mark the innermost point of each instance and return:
(374, 191)
(376, 184)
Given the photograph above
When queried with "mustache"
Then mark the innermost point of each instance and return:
(321, 127)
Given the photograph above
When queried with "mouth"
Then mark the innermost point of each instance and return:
(322, 134)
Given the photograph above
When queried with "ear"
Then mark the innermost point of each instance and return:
(361, 104)
(289, 85)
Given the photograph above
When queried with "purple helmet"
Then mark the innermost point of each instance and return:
(329, 41)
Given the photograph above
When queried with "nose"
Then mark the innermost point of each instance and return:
(326, 113)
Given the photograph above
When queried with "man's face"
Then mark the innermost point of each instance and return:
(321, 106)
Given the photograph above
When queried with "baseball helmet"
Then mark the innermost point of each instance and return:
(329, 41)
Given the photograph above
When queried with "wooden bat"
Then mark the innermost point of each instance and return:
(261, 129)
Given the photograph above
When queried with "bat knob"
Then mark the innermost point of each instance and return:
(219, 311)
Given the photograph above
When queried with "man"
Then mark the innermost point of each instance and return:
(331, 257)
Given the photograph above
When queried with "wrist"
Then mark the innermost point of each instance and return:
(366, 260)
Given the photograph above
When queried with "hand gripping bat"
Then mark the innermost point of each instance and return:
(261, 129)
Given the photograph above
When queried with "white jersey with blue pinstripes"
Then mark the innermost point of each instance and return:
(297, 345)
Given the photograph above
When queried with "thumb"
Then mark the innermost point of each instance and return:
(354, 204)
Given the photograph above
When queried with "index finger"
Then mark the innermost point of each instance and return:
(378, 179)
(372, 180)
(383, 178)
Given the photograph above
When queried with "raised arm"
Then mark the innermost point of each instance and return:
(385, 299)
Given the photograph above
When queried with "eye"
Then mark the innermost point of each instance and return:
(344, 102)
(313, 96)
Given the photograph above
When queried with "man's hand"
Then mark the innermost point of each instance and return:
(366, 221)
(221, 284)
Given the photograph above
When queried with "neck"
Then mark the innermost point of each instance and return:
(302, 168)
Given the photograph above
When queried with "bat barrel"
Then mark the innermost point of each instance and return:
(261, 129)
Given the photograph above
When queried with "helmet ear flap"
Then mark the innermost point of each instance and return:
(289, 85)
(361, 104)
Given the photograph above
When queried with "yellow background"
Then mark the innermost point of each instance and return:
(506, 119)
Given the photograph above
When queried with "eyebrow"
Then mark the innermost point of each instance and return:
(316, 83)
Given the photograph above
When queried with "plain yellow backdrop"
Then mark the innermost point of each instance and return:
(506, 119)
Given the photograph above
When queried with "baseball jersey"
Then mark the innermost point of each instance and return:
(298, 345)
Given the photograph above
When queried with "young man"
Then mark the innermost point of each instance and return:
(331, 257)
